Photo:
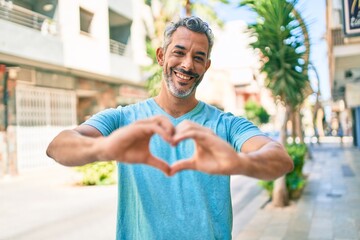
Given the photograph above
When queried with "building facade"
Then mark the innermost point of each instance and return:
(343, 35)
(60, 62)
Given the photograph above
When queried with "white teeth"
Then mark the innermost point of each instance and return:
(182, 76)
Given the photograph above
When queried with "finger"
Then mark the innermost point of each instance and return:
(181, 165)
(166, 124)
(161, 121)
(160, 125)
(154, 128)
(159, 164)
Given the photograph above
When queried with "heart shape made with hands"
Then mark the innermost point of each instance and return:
(162, 146)
(210, 153)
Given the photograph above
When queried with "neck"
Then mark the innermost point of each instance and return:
(175, 106)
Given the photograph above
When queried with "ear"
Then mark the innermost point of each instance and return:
(208, 64)
(160, 56)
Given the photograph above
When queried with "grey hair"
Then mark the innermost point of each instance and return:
(194, 24)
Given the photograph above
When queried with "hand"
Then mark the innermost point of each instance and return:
(212, 154)
(130, 144)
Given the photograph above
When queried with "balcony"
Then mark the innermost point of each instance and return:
(25, 17)
(120, 32)
(28, 36)
(117, 47)
(337, 37)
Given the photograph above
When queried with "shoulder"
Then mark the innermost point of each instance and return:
(220, 115)
(111, 119)
(147, 103)
(104, 121)
(211, 110)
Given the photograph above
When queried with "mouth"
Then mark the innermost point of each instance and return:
(185, 78)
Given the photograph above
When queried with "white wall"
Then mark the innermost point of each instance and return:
(121, 67)
(82, 51)
(28, 43)
(124, 7)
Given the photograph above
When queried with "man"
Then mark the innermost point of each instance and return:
(174, 132)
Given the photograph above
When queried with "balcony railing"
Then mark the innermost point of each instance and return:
(117, 47)
(27, 18)
(337, 37)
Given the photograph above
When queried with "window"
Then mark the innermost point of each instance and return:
(86, 18)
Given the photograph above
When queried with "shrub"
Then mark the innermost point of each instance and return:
(256, 113)
(295, 180)
(98, 173)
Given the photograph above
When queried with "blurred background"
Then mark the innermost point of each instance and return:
(62, 61)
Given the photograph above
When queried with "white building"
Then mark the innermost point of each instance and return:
(60, 61)
(343, 34)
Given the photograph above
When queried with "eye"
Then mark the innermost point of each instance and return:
(199, 59)
(179, 53)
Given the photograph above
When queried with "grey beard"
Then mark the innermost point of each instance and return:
(177, 92)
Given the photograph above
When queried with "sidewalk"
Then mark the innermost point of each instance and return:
(45, 204)
(329, 208)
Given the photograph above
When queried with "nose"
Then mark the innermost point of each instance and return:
(187, 63)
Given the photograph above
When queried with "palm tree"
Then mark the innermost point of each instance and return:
(163, 11)
(283, 43)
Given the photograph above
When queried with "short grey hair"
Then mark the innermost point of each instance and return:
(194, 24)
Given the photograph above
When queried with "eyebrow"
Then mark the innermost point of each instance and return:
(183, 48)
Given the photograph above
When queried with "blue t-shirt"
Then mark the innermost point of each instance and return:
(189, 205)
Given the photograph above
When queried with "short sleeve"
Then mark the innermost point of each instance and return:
(105, 121)
(241, 130)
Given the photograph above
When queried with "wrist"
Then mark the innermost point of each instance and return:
(241, 167)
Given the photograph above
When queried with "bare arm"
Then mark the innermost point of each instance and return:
(263, 158)
(260, 158)
(128, 144)
(75, 147)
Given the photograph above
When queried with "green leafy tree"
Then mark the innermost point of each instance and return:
(282, 42)
(256, 113)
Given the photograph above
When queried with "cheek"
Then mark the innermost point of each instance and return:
(200, 67)
(166, 69)
(168, 65)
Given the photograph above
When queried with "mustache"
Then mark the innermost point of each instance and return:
(189, 73)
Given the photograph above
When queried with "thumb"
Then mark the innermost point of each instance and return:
(159, 164)
(181, 165)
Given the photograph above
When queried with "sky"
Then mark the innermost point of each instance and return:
(313, 12)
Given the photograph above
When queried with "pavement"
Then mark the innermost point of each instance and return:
(47, 204)
(329, 208)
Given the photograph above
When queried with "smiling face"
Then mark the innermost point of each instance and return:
(184, 62)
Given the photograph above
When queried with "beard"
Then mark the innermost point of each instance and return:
(180, 93)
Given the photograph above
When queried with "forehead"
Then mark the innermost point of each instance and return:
(190, 40)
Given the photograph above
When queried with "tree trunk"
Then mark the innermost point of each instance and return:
(280, 196)
(188, 8)
(293, 125)
(299, 129)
